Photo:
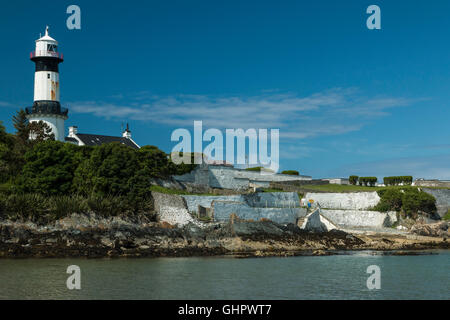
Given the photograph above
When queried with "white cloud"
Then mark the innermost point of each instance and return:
(327, 113)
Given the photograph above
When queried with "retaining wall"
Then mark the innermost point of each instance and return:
(260, 199)
(193, 201)
(167, 200)
(272, 199)
(360, 218)
(350, 201)
(223, 210)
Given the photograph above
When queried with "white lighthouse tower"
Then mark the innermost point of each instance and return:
(46, 106)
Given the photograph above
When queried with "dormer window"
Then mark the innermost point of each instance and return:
(52, 47)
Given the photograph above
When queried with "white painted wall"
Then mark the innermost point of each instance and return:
(46, 86)
(360, 218)
(56, 123)
(355, 200)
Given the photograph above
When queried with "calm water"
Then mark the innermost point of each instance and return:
(328, 277)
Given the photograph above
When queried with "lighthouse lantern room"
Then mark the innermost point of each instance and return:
(46, 106)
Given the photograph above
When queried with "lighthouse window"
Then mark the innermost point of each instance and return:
(51, 47)
(48, 75)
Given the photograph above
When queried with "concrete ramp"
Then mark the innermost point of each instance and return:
(316, 222)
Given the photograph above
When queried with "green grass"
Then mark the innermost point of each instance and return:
(179, 192)
(346, 188)
(271, 190)
(447, 216)
(5, 187)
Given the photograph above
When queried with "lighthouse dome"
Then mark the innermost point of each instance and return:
(47, 38)
(46, 46)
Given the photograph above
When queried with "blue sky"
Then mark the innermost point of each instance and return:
(347, 100)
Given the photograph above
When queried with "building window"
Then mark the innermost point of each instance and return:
(48, 75)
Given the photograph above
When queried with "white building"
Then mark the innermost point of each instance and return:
(337, 180)
(86, 139)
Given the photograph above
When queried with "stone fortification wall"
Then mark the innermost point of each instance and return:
(223, 210)
(167, 200)
(360, 218)
(432, 183)
(224, 177)
(272, 199)
(260, 199)
(350, 201)
(193, 201)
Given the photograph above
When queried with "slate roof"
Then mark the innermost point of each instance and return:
(96, 140)
(70, 139)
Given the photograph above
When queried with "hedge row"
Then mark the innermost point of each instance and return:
(396, 180)
(367, 181)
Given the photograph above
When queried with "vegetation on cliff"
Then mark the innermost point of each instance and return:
(407, 200)
(291, 172)
(46, 177)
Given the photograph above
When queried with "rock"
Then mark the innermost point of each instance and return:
(440, 229)
(259, 228)
(319, 253)
(107, 242)
(315, 222)
(391, 219)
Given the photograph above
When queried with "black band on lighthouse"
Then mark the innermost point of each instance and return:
(46, 64)
(47, 107)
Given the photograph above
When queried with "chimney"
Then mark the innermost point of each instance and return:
(127, 133)
(73, 131)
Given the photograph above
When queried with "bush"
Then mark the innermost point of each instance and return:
(409, 201)
(390, 200)
(415, 201)
(353, 180)
(291, 172)
(43, 209)
(396, 180)
(63, 206)
(108, 206)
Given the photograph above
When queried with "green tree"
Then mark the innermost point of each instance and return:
(353, 179)
(40, 131)
(6, 155)
(20, 123)
(49, 168)
(108, 171)
(155, 162)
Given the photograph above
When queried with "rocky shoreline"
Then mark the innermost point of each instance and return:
(93, 237)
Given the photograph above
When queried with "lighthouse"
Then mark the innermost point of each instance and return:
(46, 106)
